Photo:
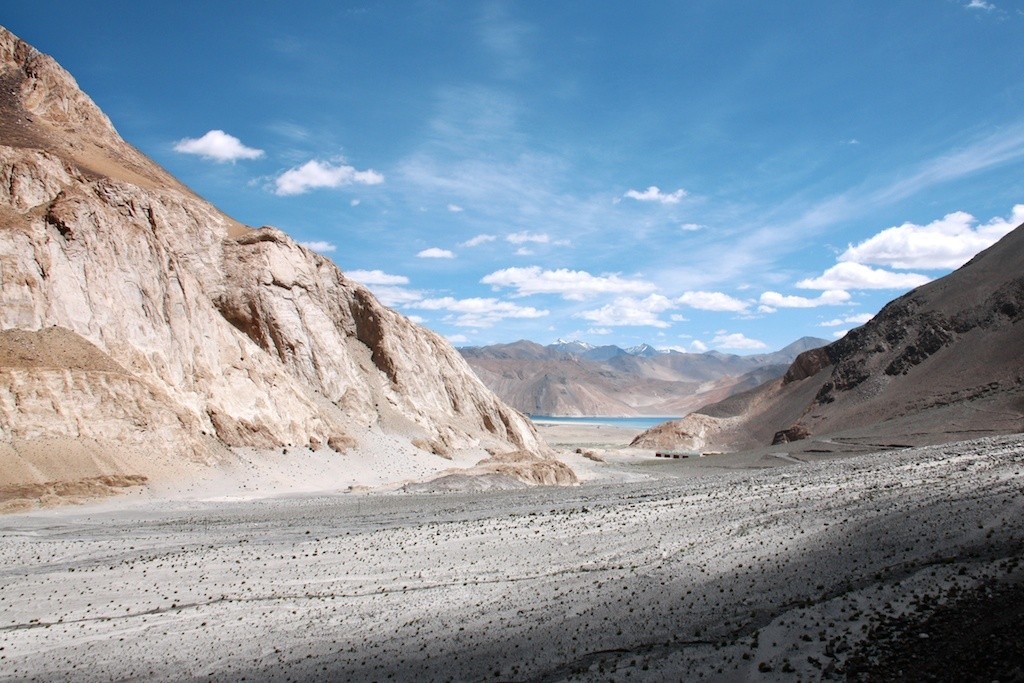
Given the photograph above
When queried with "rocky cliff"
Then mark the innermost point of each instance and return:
(143, 326)
(941, 363)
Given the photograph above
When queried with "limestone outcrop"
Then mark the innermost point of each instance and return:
(198, 334)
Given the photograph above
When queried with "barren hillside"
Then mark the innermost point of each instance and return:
(941, 363)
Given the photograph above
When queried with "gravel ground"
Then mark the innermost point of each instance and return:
(829, 570)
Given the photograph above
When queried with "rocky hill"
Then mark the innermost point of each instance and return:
(573, 378)
(143, 331)
(944, 362)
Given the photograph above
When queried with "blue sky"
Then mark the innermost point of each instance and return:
(701, 174)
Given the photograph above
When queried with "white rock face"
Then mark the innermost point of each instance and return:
(231, 332)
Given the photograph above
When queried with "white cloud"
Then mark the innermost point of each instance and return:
(219, 146)
(839, 334)
(524, 237)
(479, 312)
(829, 297)
(395, 296)
(737, 340)
(455, 208)
(697, 346)
(435, 252)
(691, 227)
(980, 4)
(355, 202)
(574, 285)
(524, 251)
(478, 240)
(654, 194)
(599, 330)
(858, 319)
(713, 301)
(316, 174)
(627, 311)
(857, 276)
(418, 319)
(319, 246)
(376, 277)
(676, 318)
(946, 243)
(457, 338)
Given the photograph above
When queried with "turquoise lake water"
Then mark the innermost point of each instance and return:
(639, 423)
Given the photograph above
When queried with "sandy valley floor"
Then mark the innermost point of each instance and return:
(645, 572)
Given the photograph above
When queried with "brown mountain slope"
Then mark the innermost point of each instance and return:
(197, 334)
(941, 363)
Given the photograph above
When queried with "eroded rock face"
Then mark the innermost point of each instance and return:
(222, 335)
(694, 432)
(791, 434)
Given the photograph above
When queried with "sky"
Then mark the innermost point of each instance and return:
(707, 174)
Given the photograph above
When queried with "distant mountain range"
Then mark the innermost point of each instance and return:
(572, 378)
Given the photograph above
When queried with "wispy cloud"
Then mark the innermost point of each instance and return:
(857, 319)
(396, 296)
(478, 312)
(506, 39)
(989, 152)
(654, 194)
(574, 285)
(713, 301)
(290, 131)
(831, 297)
(319, 174)
(455, 208)
(980, 4)
(855, 276)
(790, 223)
(435, 252)
(376, 277)
(630, 312)
(478, 240)
(736, 341)
(218, 146)
(319, 246)
(523, 237)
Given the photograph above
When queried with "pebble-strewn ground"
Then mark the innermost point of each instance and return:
(801, 572)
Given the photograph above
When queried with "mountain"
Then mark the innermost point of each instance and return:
(145, 334)
(574, 346)
(944, 362)
(571, 378)
(643, 350)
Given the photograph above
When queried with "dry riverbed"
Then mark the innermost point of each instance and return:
(805, 571)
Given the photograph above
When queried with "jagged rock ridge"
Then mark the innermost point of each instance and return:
(200, 333)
